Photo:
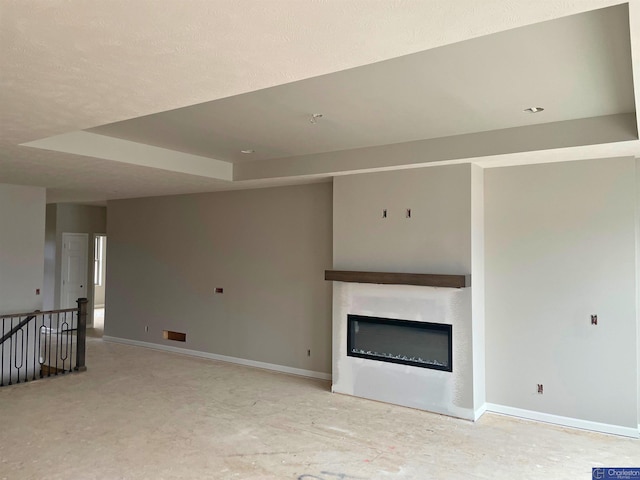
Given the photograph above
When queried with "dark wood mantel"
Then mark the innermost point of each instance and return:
(421, 279)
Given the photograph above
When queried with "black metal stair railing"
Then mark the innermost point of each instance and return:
(38, 344)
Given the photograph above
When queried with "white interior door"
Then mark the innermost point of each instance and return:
(74, 268)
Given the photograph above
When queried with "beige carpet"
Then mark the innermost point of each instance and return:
(143, 414)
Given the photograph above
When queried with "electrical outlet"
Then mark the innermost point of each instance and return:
(540, 388)
(594, 319)
(146, 328)
(408, 213)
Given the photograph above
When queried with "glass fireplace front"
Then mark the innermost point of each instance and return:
(420, 344)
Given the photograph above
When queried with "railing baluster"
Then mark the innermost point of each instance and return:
(57, 354)
(36, 351)
(10, 350)
(2, 359)
(42, 345)
(65, 331)
(15, 352)
(71, 348)
(66, 348)
(49, 350)
(26, 355)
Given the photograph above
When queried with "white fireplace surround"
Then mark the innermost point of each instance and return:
(449, 393)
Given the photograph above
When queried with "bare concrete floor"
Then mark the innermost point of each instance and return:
(144, 414)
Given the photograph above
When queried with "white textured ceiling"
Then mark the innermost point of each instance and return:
(73, 65)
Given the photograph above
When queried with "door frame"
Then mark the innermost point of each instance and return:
(86, 273)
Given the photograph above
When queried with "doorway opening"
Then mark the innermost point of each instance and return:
(99, 283)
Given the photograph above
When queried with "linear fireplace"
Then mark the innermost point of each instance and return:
(440, 389)
(420, 344)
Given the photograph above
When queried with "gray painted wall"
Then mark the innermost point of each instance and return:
(267, 248)
(49, 284)
(437, 238)
(560, 246)
(22, 216)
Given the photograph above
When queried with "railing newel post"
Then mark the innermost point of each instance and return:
(82, 335)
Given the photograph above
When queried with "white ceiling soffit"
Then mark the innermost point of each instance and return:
(470, 147)
(109, 148)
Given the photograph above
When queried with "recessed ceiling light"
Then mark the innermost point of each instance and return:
(534, 109)
(247, 151)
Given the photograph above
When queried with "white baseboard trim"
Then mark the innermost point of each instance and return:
(564, 421)
(479, 412)
(222, 358)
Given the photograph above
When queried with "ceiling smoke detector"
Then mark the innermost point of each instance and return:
(534, 109)
(247, 151)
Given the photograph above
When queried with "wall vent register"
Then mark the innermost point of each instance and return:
(176, 336)
(419, 344)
